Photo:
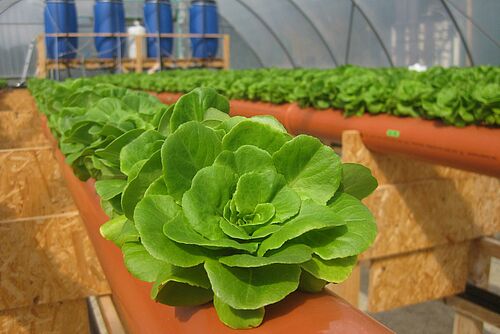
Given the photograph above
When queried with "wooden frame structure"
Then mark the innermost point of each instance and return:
(430, 221)
(139, 64)
(472, 310)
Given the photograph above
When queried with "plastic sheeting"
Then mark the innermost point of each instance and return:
(309, 33)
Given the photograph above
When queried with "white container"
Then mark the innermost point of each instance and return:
(136, 30)
(417, 67)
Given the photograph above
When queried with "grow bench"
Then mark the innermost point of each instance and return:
(298, 313)
(429, 216)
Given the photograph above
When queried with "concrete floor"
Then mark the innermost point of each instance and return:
(432, 317)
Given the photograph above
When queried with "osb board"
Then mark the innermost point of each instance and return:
(419, 205)
(3, 103)
(20, 130)
(417, 277)
(17, 100)
(47, 260)
(420, 215)
(59, 318)
(396, 169)
(31, 185)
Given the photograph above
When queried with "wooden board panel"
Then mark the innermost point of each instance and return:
(20, 130)
(420, 215)
(417, 277)
(110, 315)
(419, 205)
(17, 100)
(58, 318)
(349, 289)
(31, 185)
(47, 260)
(3, 100)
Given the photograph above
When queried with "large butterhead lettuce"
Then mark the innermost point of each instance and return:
(210, 207)
(237, 211)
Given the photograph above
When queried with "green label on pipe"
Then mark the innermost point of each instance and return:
(392, 133)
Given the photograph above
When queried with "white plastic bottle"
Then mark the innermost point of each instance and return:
(136, 30)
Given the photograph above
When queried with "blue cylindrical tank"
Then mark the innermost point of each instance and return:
(203, 19)
(166, 26)
(60, 17)
(109, 17)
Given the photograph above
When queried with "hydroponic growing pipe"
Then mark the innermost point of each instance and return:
(298, 313)
(474, 148)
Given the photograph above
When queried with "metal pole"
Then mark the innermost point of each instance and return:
(57, 55)
(118, 39)
(203, 40)
(159, 56)
(119, 51)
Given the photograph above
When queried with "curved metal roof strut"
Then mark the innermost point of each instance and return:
(308, 19)
(372, 27)
(487, 35)
(462, 37)
(245, 41)
(349, 34)
(271, 31)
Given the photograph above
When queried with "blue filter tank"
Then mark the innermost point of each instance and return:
(60, 17)
(109, 17)
(203, 19)
(163, 9)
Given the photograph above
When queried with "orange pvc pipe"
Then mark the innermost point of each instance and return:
(298, 313)
(473, 148)
(167, 98)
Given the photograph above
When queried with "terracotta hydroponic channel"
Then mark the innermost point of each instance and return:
(473, 148)
(298, 313)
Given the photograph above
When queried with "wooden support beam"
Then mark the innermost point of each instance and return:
(41, 70)
(476, 314)
(131, 64)
(112, 34)
(462, 324)
(110, 315)
(139, 61)
(139, 64)
(227, 52)
(490, 247)
(479, 271)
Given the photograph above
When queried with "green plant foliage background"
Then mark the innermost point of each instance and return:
(456, 96)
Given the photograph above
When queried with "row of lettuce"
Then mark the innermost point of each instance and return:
(210, 207)
(456, 96)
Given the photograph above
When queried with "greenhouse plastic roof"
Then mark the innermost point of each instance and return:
(311, 33)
